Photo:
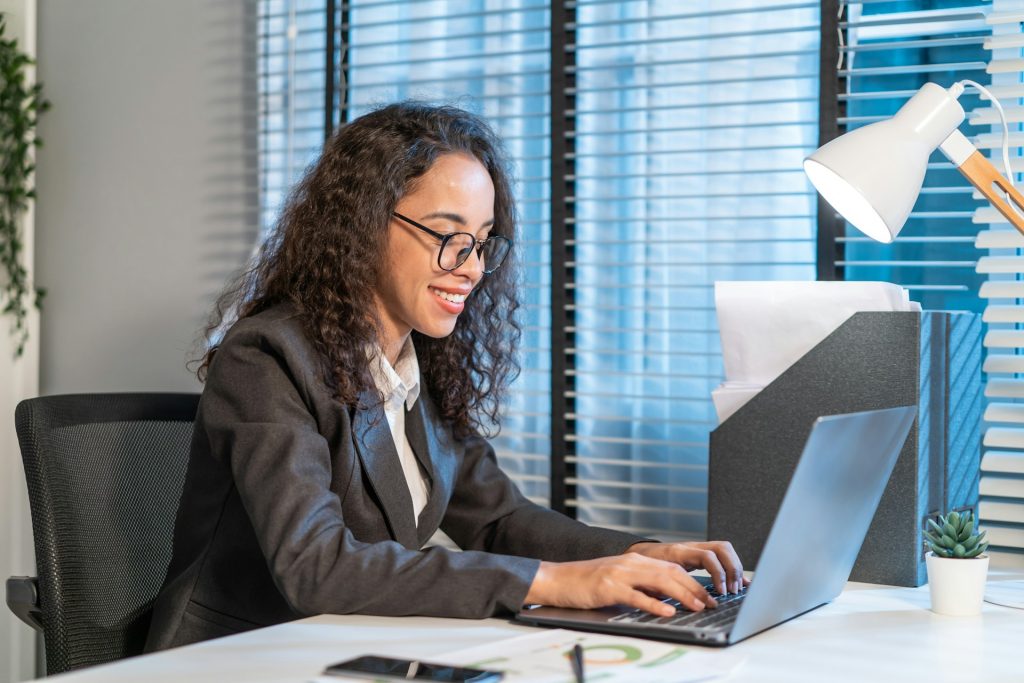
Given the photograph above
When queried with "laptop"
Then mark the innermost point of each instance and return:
(821, 524)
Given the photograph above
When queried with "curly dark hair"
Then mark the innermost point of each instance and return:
(326, 251)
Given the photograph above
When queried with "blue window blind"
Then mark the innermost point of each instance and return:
(691, 120)
(678, 129)
(490, 58)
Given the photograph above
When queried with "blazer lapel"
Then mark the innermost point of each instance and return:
(433, 448)
(376, 449)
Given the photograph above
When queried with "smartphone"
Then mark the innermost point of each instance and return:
(388, 668)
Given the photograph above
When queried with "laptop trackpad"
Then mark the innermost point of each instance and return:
(596, 616)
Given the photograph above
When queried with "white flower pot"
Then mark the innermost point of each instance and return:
(957, 586)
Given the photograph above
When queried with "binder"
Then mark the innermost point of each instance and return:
(873, 360)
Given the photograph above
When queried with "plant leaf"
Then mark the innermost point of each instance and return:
(20, 104)
(954, 519)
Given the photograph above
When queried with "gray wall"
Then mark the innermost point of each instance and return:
(147, 183)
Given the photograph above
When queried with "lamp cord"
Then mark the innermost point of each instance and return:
(957, 89)
(1002, 118)
(839, 35)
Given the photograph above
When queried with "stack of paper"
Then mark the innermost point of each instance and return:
(767, 326)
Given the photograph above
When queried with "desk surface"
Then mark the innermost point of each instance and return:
(869, 633)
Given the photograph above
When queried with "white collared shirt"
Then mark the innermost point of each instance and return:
(400, 387)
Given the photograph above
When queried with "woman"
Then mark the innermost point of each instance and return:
(339, 425)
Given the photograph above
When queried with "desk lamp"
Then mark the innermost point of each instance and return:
(872, 175)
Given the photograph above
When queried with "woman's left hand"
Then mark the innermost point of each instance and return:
(717, 558)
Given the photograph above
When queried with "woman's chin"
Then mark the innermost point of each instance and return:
(437, 328)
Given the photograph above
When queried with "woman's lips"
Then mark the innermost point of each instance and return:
(451, 301)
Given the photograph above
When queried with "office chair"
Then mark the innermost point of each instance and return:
(105, 473)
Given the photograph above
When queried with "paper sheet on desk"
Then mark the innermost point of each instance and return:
(542, 657)
(1005, 593)
(765, 327)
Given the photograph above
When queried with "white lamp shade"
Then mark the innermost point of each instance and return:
(872, 175)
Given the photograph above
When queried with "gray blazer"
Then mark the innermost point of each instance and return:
(295, 505)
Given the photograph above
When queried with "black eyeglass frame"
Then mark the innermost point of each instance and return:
(446, 237)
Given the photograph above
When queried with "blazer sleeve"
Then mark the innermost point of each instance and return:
(255, 418)
(488, 512)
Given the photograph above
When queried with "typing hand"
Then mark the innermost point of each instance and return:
(629, 579)
(718, 558)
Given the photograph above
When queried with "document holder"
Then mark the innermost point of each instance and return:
(873, 360)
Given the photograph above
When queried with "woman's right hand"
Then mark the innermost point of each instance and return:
(629, 579)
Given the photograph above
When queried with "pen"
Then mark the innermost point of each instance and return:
(577, 662)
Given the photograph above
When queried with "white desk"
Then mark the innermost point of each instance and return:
(869, 633)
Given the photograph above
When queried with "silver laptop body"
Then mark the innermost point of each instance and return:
(810, 550)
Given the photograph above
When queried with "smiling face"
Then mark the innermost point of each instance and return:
(455, 195)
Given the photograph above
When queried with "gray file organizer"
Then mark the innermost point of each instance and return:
(873, 360)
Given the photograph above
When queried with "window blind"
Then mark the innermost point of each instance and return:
(493, 59)
(292, 46)
(1001, 508)
(687, 123)
(891, 49)
(658, 149)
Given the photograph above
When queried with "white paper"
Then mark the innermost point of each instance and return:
(1006, 593)
(730, 397)
(543, 657)
(765, 327)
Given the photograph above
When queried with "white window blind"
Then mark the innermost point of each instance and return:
(690, 124)
(292, 38)
(892, 49)
(491, 58)
(1001, 508)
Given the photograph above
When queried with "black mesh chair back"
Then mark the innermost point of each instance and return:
(105, 473)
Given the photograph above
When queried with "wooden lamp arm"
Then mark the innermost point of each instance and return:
(997, 189)
(984, 176)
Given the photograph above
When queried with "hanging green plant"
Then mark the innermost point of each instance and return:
(20, 106)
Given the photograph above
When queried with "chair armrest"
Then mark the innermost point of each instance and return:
(23, 599)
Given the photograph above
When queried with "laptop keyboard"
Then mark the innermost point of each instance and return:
(711, 618)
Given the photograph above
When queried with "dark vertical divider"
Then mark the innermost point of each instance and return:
(830, 225)
(329, 69)
(563, 82)
(336, 67)
(343, 38)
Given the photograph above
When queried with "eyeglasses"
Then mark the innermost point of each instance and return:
(457, 246)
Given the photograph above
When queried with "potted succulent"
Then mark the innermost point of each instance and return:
(957, 565)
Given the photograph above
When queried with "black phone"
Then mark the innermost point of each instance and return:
(389, 668)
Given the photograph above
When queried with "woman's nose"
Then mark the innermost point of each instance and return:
(473, 266)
